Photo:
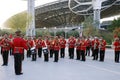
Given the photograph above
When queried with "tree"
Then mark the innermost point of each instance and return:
(115, 24)
(89, 29)
(17, 21)
(117, 32)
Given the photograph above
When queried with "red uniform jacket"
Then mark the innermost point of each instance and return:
(119, 45)
(18, 45)
(48, 43)
(62, 43)
(71, 43)
(116, 45)
(56, 45)
(102, 45)
(51, 44)
(83, 45)
(5, 44)
(30, 43)
(78, 45)
(88, 43)
(40, 43)
(95, 44)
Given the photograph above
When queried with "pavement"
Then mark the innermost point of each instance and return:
(65, 69)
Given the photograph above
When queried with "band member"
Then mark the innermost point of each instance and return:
(39, 44)
(51, 47)
(116, 45)
(83, 49)
(102, 47)
(30, 45)
(95, 48)
(56, 49)
(71, 45)
(46, 49)
(92, 46)
(18, 45)
(6, 45)
(78, 48)
(88, 44)
(62, 46)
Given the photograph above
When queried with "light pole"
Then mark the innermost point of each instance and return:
(55, 31)
(30, 29)
(66, 32)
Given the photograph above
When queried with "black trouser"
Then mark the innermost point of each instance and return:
(28, 53)
(40, 52)
(78, 54)
(46, 58)
(95, 54)
(88, 51)
(92, 49)
(83, 55)
(51, 53)
(11, 51)
(56, 52)
(1, 50)
(117, 54)
(71, 53)
(102, 55)
(17, 63)
(62, 52)
(34, 56)
(5, 57)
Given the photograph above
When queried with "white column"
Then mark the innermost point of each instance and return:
(97, 7)
(65, 32)
(97, 18)
(31, 18)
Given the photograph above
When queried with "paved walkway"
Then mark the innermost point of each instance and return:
(65, 69)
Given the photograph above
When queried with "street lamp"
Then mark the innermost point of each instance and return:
(44, 28)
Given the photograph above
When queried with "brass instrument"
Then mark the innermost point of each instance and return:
(6, 42)
(95, 45)
(101, 44)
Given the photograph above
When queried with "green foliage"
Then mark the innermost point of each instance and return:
(108, 36)
(17, 21)
(115, 24)
(60, 33)
(89, 29)
(73, 33)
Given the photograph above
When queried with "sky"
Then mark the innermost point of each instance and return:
(9, 8)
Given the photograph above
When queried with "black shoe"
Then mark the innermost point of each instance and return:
(19, 73)
(4, 65)
(117, 62)
(93, 59)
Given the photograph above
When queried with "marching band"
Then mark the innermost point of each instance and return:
(56, 46)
